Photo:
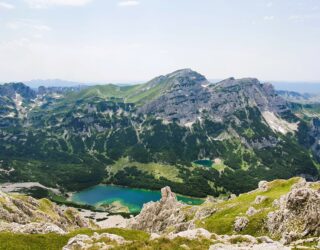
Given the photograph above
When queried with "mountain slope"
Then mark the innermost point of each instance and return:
(130, 135)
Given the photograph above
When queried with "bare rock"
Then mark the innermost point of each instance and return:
(252, 211)
(262, 246)
(204, 212)
(97, 241)
(259, 199)
(77, 242)
(191, 234)
(157, 217)
(23, 211)
(298, 215)
(240, 223)
(232, 196)
(300, 184)
(154, 236)
(264, 239)
(38, 228)
(263, 186)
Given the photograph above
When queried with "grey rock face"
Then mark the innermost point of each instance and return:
(298, 215)
(190, 97)
(18, 214)
(156, 217)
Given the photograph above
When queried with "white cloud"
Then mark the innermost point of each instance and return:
(27, 24)
(8, 6)
(48, 3)
(268, 18)
(128, 3)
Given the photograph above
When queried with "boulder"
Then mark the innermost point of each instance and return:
(252, 211)
(240, 223)
(298, 215)
(259, 199)
(263, 186)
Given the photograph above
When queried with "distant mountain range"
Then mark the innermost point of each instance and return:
(179, 129)
(300, 87)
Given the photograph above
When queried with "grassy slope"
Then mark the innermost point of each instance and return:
(137, 94)
(222, 221)
(156, 169)
(10, 241)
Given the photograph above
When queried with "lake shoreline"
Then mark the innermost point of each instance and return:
(113, 198)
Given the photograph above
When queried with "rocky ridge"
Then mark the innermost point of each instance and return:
(190, 97)
(24, 214)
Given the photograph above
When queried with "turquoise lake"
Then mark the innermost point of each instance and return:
(132, 198)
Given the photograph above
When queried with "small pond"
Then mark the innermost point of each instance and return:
(204, 163)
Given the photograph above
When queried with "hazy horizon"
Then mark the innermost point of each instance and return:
(301, 87)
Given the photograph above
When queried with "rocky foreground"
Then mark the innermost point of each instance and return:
(278, 215)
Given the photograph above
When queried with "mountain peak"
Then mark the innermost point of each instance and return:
(11, 89)
(185, 73)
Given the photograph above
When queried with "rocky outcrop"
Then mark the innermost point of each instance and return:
(157, 217)
(259, 199)
(18, 213)
(240, 223)
(191, 234)
(298, 215)
(32, 228)
(262, 246)
(263, 186)
(252, 211)
(97, 241)
(246, 242)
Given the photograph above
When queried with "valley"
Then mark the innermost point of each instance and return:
(153, 134)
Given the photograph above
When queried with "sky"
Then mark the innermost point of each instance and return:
(136, 40)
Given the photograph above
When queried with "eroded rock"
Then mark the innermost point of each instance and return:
(259, 199)
(191, 234)
(97, 241)
(252, 211)
(298, 215)
(240, 223)
(18, 213)
(157, 217)
(263, 186)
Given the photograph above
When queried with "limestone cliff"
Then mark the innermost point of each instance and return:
(24, 214)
